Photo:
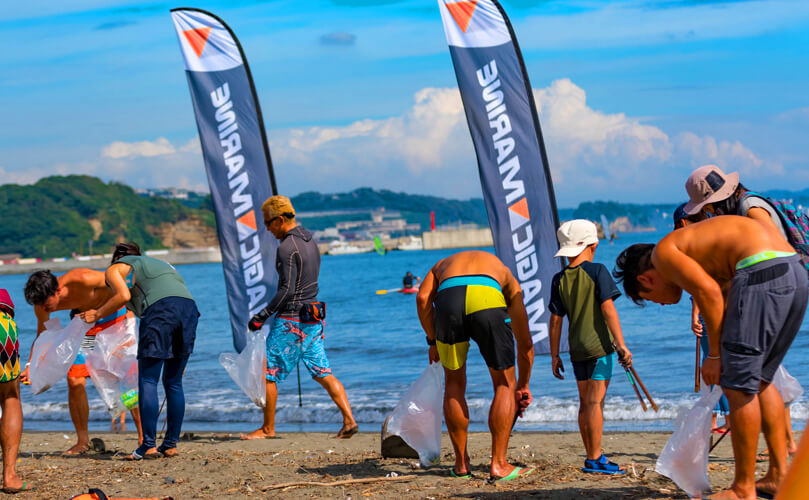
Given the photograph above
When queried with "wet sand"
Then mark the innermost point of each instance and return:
(218, 465)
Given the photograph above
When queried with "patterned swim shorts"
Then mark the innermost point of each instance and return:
(9, 349)
(292, 340)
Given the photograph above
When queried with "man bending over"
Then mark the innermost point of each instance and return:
(472, 295)
(80, 289)
(752, 290)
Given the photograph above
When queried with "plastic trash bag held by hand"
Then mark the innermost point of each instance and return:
(684, 459)
(54, 351)
(248, 367)
(113, 366)
(417, 418)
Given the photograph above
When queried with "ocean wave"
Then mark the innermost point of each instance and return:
(226, 408)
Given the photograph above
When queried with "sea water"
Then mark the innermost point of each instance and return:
(376, 348)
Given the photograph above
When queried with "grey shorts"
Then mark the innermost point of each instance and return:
(764, 313)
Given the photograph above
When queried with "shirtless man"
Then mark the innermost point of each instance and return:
(752, 290)
(473, 295)
(80, 289)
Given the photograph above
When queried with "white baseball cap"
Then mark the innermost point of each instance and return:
(574, 236)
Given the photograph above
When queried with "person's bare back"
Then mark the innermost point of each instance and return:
(717, 245)
(86, 289)
(476, 262)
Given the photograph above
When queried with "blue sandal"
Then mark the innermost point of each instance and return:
(602, 466)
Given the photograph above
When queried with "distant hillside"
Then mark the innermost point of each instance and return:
(414, 208)
(57, 216)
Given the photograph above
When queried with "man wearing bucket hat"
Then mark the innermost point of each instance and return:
(584, 292)
(11, 425)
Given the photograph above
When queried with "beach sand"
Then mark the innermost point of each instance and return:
(218, 465)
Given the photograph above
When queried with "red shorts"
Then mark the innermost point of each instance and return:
(79, 368)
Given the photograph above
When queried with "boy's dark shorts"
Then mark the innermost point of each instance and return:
(764, 312)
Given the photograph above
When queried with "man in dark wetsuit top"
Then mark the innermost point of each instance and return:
(472, 295)
(296, 335)
(752, 290)
(407, 281)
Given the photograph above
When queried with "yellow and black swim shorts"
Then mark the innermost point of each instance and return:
(472, 307)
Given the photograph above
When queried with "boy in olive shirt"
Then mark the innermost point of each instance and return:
(584, 292)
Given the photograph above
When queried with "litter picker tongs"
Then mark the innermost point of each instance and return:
(633, 378)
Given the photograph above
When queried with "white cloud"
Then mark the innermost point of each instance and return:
(118, 149)
(427, 149)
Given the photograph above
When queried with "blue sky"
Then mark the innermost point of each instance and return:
(633, 94)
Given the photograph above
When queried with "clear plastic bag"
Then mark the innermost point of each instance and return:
(54, 351)
(684, 459)
(247, 368)
(113, 366)
(417, 418)
(787, 385)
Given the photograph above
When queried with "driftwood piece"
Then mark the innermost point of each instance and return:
(297, 484)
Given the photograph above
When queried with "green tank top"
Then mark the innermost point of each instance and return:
(154, 279)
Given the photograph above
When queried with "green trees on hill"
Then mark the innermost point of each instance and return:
(56, 216)
(415, 208)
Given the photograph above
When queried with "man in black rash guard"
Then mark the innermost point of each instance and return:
(297, 329)
(407, 281)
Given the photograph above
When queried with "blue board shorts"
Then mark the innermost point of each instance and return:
(292, 340)
(594, 369)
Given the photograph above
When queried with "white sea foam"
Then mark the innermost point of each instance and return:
(225, 409)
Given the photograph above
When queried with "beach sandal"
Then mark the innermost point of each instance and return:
(456, 475)
(517, 472)
(719, 430)
(168, 452)
(14, 491)
(765, 455)
(79, 453)
(602, 466)
(347, 433)
(135, 456)
(763, 494)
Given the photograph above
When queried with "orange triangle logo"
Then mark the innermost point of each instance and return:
(248, 219)
(520, 208)
(197, 38)
(462, 12)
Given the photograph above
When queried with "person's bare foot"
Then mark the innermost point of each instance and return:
(498, 472)
(766, 485)
(78, 449)
(347, 430)
(12, 482)
(466, 469)
(257, 434)
(729, 494)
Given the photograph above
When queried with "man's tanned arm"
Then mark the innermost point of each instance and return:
(121, 295)
(522, 335)
(424, 306)
(686, 273)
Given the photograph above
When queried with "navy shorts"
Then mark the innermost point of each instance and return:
(764, 312)
(168, 329)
